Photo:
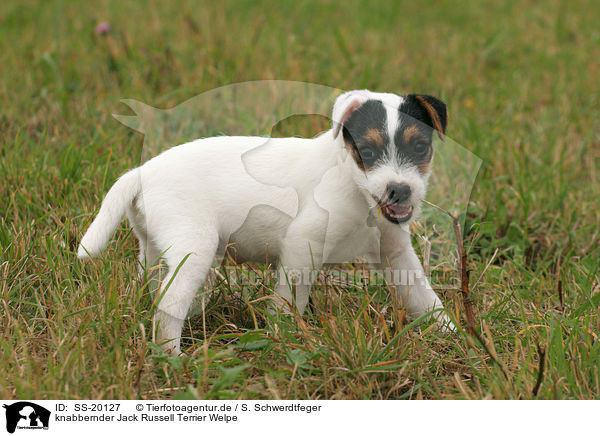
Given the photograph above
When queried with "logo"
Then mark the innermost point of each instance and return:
(26, 415)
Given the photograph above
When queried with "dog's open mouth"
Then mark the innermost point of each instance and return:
(396, 213)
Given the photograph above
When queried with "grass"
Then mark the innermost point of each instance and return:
(520, 80)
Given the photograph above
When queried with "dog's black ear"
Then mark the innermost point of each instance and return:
(427, 109)
(344, 105)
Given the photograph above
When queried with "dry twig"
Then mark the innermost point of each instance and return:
(540, 376)
(464, 287)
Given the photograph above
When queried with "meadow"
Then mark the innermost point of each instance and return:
(520, 79)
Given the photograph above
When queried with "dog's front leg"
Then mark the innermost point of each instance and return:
(400, 263)
(297, 271)
(300, 260)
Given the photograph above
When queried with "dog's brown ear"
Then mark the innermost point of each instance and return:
(433, 112)
(343, 108)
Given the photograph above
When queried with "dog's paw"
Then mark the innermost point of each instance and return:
(279, 306)
(171, 350)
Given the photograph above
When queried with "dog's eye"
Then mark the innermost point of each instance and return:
(420, 147)
(366, 153)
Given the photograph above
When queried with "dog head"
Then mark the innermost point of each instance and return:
(389, 140)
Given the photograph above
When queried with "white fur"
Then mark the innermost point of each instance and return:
(304, 201)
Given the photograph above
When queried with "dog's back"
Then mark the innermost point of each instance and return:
(242, 185)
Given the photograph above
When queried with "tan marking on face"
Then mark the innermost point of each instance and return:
(410, 133)
(425, 165)
(374, 135)
(354, 153)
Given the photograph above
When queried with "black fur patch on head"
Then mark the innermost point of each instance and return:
(365, 133)
(419, 116)
(427, 109)
(412, 142)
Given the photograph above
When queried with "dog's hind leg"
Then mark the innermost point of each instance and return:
(148, 258)
(189, 262)
(149, 255)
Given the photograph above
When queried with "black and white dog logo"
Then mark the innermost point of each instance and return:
(26, 415)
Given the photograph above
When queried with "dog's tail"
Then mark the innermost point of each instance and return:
(118, 198)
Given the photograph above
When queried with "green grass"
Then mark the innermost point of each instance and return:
(520, 81)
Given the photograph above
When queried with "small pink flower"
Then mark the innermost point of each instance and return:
(102, 28)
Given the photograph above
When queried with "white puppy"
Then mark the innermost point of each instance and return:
(352, 191)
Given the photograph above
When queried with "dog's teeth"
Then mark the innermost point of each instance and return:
(397, 211)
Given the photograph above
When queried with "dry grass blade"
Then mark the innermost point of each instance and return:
(540, 376)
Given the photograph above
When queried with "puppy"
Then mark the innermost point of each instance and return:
(351, 191)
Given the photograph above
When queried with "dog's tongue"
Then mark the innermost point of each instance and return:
(398, 210)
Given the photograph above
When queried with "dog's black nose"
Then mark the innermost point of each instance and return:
(398, 192)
